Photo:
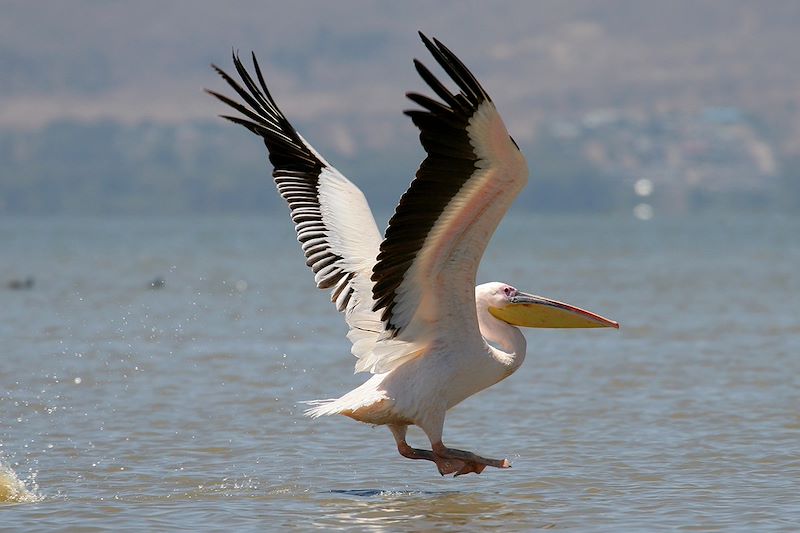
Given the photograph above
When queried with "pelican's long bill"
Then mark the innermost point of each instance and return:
(532, 311)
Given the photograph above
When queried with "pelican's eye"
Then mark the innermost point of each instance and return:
(509, 291)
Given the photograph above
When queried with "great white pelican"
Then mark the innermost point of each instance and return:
(418, 324)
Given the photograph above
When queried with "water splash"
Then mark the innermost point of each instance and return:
(14, 490)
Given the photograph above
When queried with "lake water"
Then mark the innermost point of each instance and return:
(128, 408)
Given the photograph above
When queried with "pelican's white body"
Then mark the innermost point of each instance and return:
(450, 370)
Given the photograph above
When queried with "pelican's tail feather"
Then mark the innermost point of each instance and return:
(322, 407)
(367, 403)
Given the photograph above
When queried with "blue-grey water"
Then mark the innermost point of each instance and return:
(131, 408)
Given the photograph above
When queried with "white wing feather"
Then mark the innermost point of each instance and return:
(333, 221)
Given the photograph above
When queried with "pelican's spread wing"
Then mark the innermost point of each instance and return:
(427, 265)
(417, 286)
(333, 221)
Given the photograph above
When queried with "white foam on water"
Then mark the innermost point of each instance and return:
(14, 490)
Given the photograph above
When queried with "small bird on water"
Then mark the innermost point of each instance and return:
(418, 324)
(21, 284)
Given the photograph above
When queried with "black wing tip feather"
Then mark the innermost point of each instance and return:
(259, 99)
(261, 115)
(426, 41)
(462, 105)
(455, 69)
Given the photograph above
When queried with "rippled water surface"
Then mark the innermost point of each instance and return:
(127, 407)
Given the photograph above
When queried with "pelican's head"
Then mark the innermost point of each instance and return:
(517, 308)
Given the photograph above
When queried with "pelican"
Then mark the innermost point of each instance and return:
(417, 323)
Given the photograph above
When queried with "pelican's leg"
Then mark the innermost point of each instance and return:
(432, 425)
(450, 460)
(405, 450)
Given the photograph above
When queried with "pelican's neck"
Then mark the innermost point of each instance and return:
(507, 342)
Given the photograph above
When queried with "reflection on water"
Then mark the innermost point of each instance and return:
(179, 407)
(387, 508)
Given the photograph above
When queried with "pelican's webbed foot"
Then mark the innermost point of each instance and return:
(462, 462)
(445, 465)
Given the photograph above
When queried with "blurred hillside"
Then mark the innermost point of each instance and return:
(676, 106)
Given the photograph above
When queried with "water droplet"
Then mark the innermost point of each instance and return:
(643, 211)
(643, 187)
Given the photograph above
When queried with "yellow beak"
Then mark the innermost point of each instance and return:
(531, 311)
